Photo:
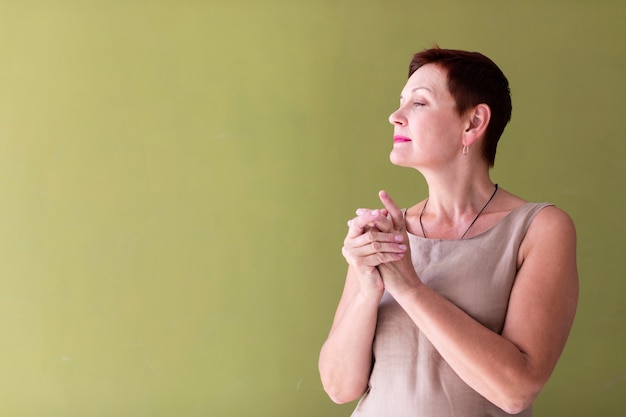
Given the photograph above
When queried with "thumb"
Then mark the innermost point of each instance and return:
(396, 214)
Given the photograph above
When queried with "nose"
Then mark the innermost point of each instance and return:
(397, 118)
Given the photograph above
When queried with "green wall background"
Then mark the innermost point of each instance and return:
(175, 178)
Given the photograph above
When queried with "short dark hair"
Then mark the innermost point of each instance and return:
(473, 79)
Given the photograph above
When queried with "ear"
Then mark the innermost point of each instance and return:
(477, 122)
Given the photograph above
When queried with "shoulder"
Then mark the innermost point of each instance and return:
(550, 220)
(546, 217)
(551, 233)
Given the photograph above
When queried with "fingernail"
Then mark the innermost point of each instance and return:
(402, 247)
(374, 213)
(398, 238)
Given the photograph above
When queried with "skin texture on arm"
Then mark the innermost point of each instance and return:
(346, 357)
(509, 369)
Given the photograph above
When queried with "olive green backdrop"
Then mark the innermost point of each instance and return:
(175, 178)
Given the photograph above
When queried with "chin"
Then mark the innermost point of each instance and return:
(397, 159)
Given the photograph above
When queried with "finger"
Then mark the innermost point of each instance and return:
(396, 214)
(356, 227)
(370, 216)
(378, 259)
(374, 254)
(377, 218)
(364, 221)
(376, 247)
(373, 238)
(371, 212)
(385, 224)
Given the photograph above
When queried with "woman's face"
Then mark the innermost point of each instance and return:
(427, 128)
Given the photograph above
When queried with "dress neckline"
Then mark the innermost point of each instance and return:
(486, 232)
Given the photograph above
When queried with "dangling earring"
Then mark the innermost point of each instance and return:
(465, 150)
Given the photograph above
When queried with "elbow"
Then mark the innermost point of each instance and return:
(516, 390)
(515, 405)
(342, 390)
(338, 399)
(519, 399)
(342, 395)
(342, 385)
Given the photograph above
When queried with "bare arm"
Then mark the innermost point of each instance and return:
(508, 369)
(346, 357)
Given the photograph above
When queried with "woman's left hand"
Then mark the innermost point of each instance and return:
(399, 275)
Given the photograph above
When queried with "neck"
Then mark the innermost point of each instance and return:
(451, 227)
(456, 198)
(458, 195)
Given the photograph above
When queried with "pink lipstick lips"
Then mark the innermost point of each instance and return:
(400, 139)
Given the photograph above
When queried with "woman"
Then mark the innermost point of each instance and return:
(461, 304)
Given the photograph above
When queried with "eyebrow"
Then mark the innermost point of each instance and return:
(418, 88)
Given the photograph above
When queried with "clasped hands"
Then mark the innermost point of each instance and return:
(377, 247)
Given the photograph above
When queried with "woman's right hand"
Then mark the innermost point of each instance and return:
(371, 241)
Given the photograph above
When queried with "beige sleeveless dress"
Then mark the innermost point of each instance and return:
(409, 378)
